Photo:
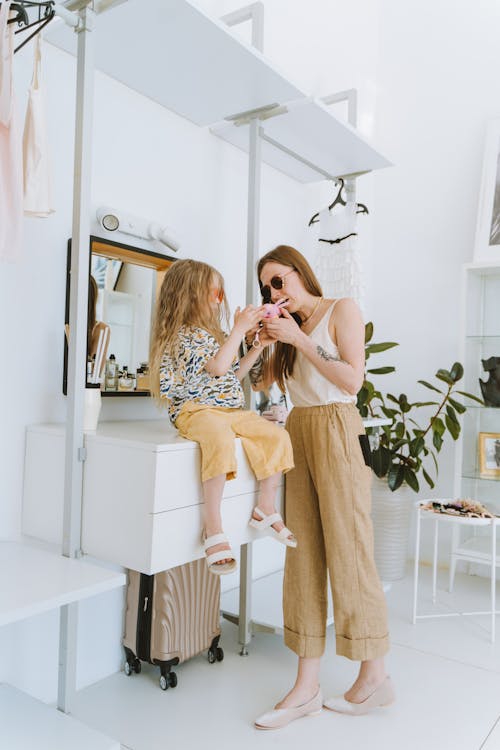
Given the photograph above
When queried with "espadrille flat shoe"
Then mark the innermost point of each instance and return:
(381, 696)
(280, 717)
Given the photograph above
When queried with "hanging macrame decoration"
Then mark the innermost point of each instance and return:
(337, 263)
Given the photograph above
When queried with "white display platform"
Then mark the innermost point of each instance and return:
(34, 580)
(28, 724)
(173, 53)
(313, 136)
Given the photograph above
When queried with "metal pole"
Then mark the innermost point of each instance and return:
(77, 353)
(415, 567)
(493, 573)
(245, 613)
(255, 13)
(73, 475)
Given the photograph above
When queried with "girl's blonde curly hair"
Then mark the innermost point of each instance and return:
(184, 300)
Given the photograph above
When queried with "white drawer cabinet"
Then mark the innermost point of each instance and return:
(141, 494)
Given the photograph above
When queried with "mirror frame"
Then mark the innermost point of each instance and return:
(116, 251)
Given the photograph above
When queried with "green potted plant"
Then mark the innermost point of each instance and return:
(405, 450)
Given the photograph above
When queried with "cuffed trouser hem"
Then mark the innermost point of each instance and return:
(270, 471)
(362, 649)
(215, 471)
(308, 646)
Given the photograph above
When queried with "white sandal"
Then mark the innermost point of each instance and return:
(265, 526)
(220, 569)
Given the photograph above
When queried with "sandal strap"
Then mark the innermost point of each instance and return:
(224, 554)
(211, 541)
(269, 520)
(285, 533)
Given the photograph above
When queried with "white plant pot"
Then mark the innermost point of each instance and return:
(391, 516)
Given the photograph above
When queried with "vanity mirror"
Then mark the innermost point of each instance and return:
(123, 285)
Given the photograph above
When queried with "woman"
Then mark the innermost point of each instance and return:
(319, 355)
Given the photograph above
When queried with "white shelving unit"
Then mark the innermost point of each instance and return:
(481, 292)
(481, 326)
(34, 579)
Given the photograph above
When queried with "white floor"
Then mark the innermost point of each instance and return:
(446, 672)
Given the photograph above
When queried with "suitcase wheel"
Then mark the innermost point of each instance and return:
(168, 680)
(215, 654)
(130, 667)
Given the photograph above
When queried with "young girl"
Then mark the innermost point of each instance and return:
(194, 367)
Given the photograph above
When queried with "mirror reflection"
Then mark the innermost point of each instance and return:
(123, 286)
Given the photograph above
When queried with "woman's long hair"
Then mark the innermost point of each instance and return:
(183, 300)
(279, 358)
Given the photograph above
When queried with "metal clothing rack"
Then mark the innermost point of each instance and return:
(262, 143)
(45, 11)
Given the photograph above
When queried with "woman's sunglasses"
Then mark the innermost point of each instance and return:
(276, 282)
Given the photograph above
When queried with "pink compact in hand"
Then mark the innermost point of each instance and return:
(271, 311)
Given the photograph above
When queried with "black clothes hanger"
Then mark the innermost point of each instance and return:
(361, 208)
(340, 239)
(21, 16)
(22, 9)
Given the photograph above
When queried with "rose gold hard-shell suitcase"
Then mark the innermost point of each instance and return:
(170, 617)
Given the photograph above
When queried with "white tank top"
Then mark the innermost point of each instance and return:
(307, 386)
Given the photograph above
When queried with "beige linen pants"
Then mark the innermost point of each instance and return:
(215, 428)
(328, 502)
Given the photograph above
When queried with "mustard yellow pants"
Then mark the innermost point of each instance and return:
(328, 503)
(215, 428)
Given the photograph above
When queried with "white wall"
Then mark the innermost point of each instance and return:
(427, 80)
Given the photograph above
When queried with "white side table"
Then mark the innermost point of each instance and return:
(489, 558)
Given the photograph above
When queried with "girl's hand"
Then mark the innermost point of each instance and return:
(263, 337)
(247, 319)
(283, 329)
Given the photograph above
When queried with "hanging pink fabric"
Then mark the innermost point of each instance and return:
(36, 162)
(11, 171)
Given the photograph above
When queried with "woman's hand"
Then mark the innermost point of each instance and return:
(262, 336)
(283, 329)
(247, 319)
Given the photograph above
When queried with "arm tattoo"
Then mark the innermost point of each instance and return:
(329, 357)
(256, 371)
(326, 355)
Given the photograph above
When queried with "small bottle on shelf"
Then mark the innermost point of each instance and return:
(126, 382)
(111, 374)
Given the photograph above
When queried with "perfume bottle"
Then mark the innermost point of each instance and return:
(126, 381)
(111, 374)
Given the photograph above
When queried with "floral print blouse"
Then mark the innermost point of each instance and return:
(184, 378)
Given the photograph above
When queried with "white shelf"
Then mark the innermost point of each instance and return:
(27, 723)
(33, 580)
(308, 129)
(266, 602)
(173, 53)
